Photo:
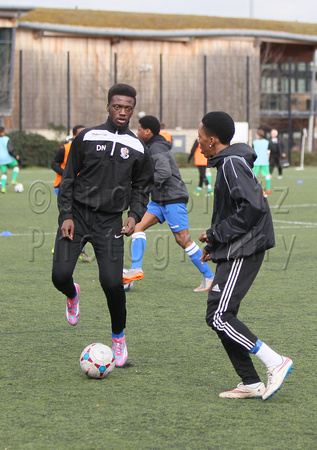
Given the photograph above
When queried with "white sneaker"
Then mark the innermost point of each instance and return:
(132, 275)
(205, 285)
(277, 376)
(279, 177)
(243, 391)
(127, 286)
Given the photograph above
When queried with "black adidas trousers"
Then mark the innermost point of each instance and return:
(103, 231)
(232, 281)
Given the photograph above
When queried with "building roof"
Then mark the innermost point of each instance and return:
(14, 12)
(147, 21)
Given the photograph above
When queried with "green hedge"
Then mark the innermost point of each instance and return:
(34, 149)
(310, 159)
(37, 151)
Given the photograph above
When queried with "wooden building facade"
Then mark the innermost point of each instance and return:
(175, 81)
(62, 71)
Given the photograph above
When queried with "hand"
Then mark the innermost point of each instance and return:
(203, 237)
(68, 229)
(128, 226)
(205, 257)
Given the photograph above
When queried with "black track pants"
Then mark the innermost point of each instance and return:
(275, 160)
(232, 281)
(202, 176)
(104, 233)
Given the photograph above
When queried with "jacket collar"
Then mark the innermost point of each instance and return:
(158, 138)
(112, 127)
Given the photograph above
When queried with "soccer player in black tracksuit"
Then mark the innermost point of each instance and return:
(277, 152)
(169, 199)
(240, 233)
(108, 170)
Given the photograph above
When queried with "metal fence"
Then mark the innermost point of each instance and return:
(68, 88)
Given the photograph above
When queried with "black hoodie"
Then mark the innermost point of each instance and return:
(168, 185)
(107, 170)
(241, 222)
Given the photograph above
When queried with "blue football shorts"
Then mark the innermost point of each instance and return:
(175, 215)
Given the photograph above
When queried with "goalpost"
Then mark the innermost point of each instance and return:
(302, 152)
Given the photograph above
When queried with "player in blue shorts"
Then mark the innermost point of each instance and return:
(169, 200)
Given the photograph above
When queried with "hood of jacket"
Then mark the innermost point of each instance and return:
(158, 139)
(240, 149)
(169, 187)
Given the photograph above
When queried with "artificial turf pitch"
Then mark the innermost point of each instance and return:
(167, 396)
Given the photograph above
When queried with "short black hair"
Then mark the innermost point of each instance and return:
(76, 128)
(150, 122)
(219, 124)
(122, 89)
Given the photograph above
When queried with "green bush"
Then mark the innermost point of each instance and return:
(34, 149)
(37, 151)
(310, 159)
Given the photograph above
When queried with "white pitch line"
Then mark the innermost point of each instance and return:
(293, 224)
(296, 223)
(293, 227)
(28, 234)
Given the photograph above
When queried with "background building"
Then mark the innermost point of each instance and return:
(57, 66)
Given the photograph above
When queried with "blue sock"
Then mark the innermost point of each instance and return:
(257, 347)
(138, 249)
(194, 252)
(118, 336)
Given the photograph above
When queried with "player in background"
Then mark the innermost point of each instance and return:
(165, 133)
(277, 152)
(240, 233)
(60, 159)
(169, 198)
(204, 171)
(58, 165)
(108, 170)
(8, 160)
(261, 147)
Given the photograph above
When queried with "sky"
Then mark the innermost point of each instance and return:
(285, 10)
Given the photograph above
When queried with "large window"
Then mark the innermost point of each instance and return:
(275, 79)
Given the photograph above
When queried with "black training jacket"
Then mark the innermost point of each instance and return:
(168, 185)
(241, 222)
(108, 170)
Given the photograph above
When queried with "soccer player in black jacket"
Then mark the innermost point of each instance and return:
(240, 233)
(108, 170)
(169, 199)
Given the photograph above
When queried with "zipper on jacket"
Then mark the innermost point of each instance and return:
(113, 145)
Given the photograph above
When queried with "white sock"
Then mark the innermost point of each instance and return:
(268, 356)
(253, 385)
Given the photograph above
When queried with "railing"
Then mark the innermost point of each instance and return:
(276, 104)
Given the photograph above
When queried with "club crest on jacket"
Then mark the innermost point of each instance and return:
(124, 153)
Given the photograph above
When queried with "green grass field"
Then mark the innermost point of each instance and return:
(167, 397)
